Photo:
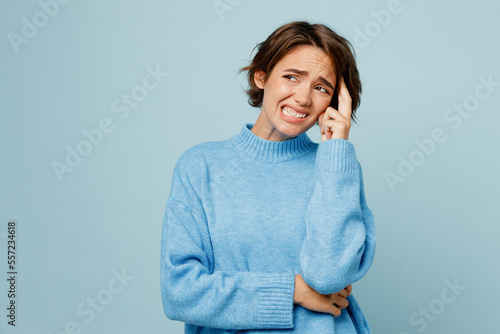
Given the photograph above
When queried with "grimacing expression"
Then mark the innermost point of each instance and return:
(303, 80)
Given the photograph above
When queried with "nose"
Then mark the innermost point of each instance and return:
(302, 95)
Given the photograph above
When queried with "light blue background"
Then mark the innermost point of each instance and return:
(438, 225)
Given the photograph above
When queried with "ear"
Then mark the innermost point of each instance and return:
(258, 78)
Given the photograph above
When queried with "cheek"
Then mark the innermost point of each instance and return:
(277, 95)
(322, 103)
(282, 93)
(282, 89)
(275, 91)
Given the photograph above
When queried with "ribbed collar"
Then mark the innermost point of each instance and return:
(271, 151)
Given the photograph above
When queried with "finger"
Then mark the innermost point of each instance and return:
(320, 121)
(345, 101)
(335, 114)
(335, 311)
(349, 289)
(332, 122)
(342, 303)
(335, 126)
(343, 293)
(325, 117)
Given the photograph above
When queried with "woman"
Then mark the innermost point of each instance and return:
(266, 231)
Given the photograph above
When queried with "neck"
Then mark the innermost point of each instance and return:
(271, 151)
(264, 129)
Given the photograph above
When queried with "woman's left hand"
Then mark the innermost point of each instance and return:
(339, 126)
(309, 298)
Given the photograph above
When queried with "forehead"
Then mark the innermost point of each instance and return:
(309, 58)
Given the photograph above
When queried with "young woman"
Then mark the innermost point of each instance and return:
(266, 231)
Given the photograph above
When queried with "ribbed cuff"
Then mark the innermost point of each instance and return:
(337, 155)
(275, 300)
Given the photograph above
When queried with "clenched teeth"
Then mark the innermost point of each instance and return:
(290, 112)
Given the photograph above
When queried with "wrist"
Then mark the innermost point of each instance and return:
(296, 295)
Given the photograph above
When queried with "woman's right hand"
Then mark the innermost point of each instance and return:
(309, 298)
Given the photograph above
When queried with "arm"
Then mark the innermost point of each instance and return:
(193, 292)
(340, 241)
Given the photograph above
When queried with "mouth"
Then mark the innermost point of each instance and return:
(293, 113)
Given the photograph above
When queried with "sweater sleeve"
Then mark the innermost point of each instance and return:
(339, 246)
(192, 291)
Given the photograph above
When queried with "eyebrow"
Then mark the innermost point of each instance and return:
(322, 79)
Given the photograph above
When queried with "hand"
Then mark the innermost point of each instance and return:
(339, 126)
(307, 297)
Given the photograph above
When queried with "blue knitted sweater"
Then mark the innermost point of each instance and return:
(245, 215)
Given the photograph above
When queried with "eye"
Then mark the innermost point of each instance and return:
(290, 76)
(324, 89)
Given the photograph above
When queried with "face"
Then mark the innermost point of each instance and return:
(297, 92)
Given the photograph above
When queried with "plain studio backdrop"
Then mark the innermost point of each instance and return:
(100, 98)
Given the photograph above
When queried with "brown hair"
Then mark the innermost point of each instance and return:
(293, 34)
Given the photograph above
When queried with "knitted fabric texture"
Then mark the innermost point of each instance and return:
(245, 215)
